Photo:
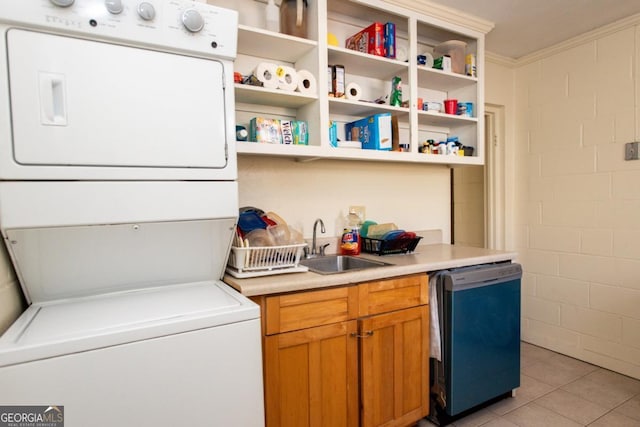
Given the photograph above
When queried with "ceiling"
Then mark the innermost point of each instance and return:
(523, 27)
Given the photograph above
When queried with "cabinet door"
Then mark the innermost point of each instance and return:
(311, 377)
(395, 367)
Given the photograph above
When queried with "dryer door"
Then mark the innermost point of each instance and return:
(82, 105)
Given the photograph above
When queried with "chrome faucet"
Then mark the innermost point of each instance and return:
(314, 249)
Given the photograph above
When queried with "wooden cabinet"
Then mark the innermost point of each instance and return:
(348, 356)
(394, 366)
(311, 377)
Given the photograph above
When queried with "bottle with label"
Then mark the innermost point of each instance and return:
(350, 241)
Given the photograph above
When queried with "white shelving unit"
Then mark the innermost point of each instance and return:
(416, 32)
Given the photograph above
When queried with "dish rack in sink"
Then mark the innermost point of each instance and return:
(246, 262)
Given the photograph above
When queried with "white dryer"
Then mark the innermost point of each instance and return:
(118, 203)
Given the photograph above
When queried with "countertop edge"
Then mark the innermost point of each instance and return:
(426, 259)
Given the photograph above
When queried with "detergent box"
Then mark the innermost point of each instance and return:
(374, 132)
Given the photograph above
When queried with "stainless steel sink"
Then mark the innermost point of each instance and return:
(332, 264)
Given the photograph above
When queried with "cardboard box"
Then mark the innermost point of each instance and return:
(390, 40)
(374, 132)
(265, 130)
(370, 40)
(300, 131)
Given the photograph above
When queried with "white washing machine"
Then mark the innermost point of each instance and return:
(118, 203)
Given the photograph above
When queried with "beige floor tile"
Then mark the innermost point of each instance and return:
(532, 415)
(529, 390)
(612, 379)
(476, 419)
(499, 422)
(558, 370)
(607, 395)
(572, 406)
(631, 408)
(613, 419)
(530, 354)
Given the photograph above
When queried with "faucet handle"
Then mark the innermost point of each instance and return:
(323, 248)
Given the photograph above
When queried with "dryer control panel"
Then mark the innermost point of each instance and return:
(181, 25)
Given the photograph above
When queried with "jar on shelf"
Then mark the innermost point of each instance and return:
(293, 17)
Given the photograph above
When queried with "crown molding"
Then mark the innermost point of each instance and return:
(590, 36)
(446, 14)
(505, 61)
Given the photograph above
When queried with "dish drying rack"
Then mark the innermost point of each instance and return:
(245, 262)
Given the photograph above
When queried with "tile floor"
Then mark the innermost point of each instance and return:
(557, 391)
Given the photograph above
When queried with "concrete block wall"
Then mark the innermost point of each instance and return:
(576, 107)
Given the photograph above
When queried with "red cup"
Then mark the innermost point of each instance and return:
(451, 106)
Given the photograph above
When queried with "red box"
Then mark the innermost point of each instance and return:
(370, 40)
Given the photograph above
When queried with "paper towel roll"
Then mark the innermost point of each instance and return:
(353, 92)
(307, 83)
(429, 60)
(287, 78)
(265, 72)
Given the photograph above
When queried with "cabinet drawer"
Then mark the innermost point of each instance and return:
(302, 310)
(393, 294)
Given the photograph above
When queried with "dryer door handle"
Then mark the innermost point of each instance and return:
(53, 111)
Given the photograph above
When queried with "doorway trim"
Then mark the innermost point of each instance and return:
(495, 175)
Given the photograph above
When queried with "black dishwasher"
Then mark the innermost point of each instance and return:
(479, 316)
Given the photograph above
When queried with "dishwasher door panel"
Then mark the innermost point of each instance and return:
(482, 353)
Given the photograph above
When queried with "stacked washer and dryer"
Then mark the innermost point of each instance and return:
(118, 203)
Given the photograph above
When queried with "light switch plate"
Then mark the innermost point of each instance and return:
(361, 211)
(631, 151)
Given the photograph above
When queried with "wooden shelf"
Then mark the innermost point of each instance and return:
(360, 108)
(258, 95)
(363, 64)
(267, 44)
(432, 77)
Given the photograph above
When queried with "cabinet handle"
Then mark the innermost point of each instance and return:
(365, 335)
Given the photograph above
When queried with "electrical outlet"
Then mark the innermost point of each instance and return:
(631, 151)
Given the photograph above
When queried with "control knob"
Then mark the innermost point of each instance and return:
(114, 6)
(62, 3)
(192, 20)
(146, 11)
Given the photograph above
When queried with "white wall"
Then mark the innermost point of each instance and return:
(468, 206)
(414, 197)
(576, 107)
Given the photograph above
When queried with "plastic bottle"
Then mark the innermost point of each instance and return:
(350, 241)
(272, 15)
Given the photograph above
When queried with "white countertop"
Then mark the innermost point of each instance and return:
(426, 258)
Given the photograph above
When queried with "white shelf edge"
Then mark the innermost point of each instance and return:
(262, 96)
(310, 152)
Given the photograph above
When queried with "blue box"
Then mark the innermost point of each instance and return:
(390, 40)
(374, 132)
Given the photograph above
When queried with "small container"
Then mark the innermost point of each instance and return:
(272, 17)
(456, 50)
(451, 106)
(465, 109)
(293, 17)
